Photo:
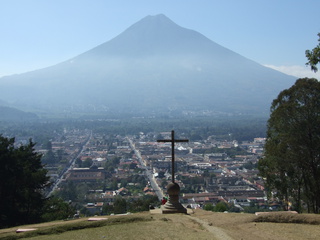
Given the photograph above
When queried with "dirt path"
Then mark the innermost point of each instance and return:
(218, 233)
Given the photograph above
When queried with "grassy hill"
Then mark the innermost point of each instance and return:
(199, 225)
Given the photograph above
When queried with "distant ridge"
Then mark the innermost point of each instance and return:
(154, 66)
(15, 115)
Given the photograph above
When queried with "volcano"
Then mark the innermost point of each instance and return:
(154, 66)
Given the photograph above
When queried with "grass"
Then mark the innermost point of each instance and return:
(73, 226)
(283, 217)
(136, 226)
(177, 226)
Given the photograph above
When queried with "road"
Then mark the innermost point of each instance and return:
(148, 173)
(71, 165)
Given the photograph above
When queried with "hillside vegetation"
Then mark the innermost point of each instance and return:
(198, 225)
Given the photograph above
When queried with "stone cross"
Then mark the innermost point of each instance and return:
(172, 140)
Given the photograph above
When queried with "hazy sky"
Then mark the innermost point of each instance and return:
(40, 33)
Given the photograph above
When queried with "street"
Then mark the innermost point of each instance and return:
(148, 173)
(72, 163)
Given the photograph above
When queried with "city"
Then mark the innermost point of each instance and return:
(208, 171)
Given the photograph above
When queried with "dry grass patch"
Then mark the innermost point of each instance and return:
(157, 226)
(289, 218)
(73, 226)
(265, 227)
(200, 225)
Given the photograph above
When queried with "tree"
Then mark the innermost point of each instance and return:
(60, 155)
(49, 158)
(291, 165)
(221, 207)
(56, 209)
(107, 209)
(142, 204)
(69, 191)
(208, 207)
(87, 163)
(120, 205)
(314, 56)
(22, 180)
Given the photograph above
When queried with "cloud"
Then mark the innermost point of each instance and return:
(296, 70)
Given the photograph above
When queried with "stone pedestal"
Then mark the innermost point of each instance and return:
(173, 205)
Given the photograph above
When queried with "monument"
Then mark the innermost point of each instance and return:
(173, 189)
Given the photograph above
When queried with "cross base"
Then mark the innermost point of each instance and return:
(173, 205)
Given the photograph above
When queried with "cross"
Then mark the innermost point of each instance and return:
(172, 140)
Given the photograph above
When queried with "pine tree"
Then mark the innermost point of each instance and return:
(22, 180)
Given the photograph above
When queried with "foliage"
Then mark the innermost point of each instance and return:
(249, 165)
(192, 184)
(220, 207)
(242, 128)
(22, 180)
(107, 209)
(291, 165)
(119, 205)
(49, 158)
(86, 163)
(208, 207)
(57, 209)
(73, 192)
(133, 205)
(255, 208)
(314, 56)
(112, 164)
(143, 203)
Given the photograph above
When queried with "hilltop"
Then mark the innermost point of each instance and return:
(198, 225)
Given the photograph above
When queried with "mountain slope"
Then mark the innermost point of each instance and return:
(154, 65)
(15, 115)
